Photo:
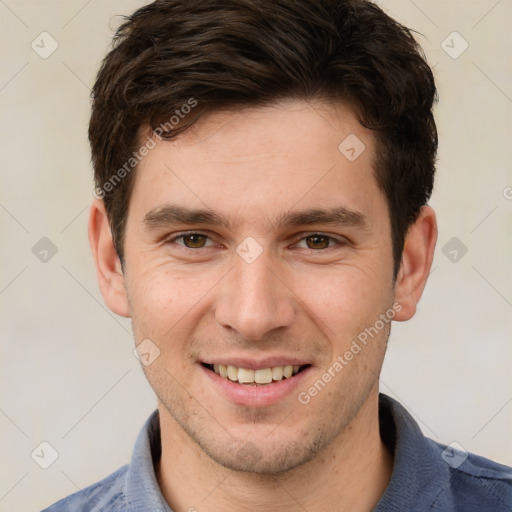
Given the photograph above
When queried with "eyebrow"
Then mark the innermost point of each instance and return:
(340, 216)
(169, 214)
(172, 214)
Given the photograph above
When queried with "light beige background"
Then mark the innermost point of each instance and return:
(68, 375)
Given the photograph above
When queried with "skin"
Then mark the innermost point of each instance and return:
(302, 297)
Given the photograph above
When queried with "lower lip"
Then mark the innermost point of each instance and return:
(255, 396)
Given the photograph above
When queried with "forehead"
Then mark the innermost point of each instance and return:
(264, 160)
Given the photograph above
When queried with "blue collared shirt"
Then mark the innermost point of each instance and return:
(427, 476)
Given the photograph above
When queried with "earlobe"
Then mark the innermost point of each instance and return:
(416, 262)
(108, 267)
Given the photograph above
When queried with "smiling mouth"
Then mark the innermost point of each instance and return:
(259, 377)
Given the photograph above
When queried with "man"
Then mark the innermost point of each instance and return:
(262, 176)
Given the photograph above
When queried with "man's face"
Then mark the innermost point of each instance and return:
(270, 287)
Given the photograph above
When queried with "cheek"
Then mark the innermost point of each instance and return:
(151, 295)
(346, 294)
(165, 299)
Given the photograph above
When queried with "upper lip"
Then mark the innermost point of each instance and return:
(256, 364)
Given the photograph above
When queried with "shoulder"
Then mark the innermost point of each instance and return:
(474, 483)
(106, 495)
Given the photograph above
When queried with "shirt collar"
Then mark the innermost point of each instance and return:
(417, 468)
(416, 465)
(141, 487)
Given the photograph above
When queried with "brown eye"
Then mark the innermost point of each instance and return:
(194, 240)
(317, 241)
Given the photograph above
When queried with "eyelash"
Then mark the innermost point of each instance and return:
(337, 241)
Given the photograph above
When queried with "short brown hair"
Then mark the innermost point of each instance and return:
(255, 52)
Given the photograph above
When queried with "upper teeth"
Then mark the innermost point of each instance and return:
(261, 376)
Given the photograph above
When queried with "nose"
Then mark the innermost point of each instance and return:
(254, 300)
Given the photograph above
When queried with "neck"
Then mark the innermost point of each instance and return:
(351, 474)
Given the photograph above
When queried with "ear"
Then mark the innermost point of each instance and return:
(108, 266)
(417, 257)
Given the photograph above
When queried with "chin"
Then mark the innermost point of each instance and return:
(264, 458)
